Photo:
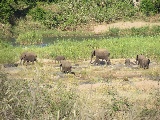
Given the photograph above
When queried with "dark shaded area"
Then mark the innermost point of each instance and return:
(10, 65)
(19, 13)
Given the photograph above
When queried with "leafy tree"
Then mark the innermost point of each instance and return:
(12, 9)
(5, 11)
(150, 6)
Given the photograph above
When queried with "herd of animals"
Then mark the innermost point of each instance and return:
(65, 65)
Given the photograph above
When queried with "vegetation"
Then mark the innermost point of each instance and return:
(29, 38)
(74, 49)
(21, 99)
(60, 15)
(41, 91)
(47, 94)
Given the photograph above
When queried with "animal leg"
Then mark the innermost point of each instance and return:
(27, 62)
(24, 61)
(107, 61)
(97, 61)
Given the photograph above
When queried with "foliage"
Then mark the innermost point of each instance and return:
(123, 47)
(142, 31)
(38, 14)
(9, 55)
(4, 44)
(11, 9)
(21, 99)
(64, 16)
(68, 15)
(150, 6)
(30, 38)
(113, 32)
(5, 11)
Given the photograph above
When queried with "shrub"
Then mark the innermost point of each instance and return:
(8, 55)
(29, 38)
(38, 13)
(114, 32)
(149, 7)
(143, 31)
(5, 11)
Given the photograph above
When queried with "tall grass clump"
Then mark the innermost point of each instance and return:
(113, 32)
(29, 38)
(21, 99)
(142, 31)
(7, 53)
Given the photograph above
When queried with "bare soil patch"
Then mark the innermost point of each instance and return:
(121, 25)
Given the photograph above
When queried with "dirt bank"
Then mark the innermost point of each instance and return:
(121, 25)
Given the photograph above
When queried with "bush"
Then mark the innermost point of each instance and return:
(29, 38)
(38, 13)
(5, 11)
(8, 55)
(143, 31)
(114, 32)
(149, 7)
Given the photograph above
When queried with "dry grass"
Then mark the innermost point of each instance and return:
(104, 92)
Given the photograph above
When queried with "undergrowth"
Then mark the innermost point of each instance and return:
(124, 47)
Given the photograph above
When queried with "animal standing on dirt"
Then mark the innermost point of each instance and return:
(144, 63)
(100, 54)
(127, 62)
(29, 57)
(139, 58)
(66, 67)
(59, 58)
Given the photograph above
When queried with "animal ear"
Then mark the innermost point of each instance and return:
(149, 61)
(137, 56)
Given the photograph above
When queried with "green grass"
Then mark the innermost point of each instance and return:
(40, 92)
(125, 47)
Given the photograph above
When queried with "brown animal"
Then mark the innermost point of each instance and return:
(144, 63)
(59, 58)
(139, 58)
(100, 54)
(65, 66)
(29, 57)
